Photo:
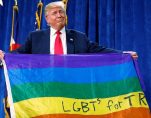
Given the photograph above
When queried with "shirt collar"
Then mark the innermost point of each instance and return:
(53, 31)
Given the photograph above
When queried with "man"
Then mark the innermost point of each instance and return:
(71, 41)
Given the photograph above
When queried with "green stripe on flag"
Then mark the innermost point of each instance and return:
(79, 91)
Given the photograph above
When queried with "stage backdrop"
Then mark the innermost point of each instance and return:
(120, 24)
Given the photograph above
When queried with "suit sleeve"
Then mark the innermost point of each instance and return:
(26, 48)
(96, 48)
(84, 45)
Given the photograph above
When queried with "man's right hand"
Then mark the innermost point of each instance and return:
(1, 54)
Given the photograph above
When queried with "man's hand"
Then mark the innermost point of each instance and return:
(132, 53)
(1, 54)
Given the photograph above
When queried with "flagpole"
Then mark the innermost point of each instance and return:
(15, 7)
(65, 3)
(15, 2)
(13, 46)
(65, 6)
(39, 14)
(10, 99)
(1, 2)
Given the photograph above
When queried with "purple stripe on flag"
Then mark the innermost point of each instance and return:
(69, 61)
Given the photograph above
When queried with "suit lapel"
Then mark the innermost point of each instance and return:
(70, 42)
(47, 41)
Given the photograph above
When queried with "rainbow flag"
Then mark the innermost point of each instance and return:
(74, 86)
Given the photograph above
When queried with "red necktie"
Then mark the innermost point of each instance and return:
(58, 48)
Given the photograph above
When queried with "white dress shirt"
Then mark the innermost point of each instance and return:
(53, 37)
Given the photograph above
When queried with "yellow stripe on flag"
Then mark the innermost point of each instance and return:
(60, 105)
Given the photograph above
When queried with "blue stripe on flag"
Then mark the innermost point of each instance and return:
(73, 75)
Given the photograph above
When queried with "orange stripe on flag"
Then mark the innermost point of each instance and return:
(129, 113)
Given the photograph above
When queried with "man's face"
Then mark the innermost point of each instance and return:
(56, 18)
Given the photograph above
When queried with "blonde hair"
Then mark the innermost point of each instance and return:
(54, 4)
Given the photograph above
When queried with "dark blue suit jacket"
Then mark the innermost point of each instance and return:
(38, 42)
